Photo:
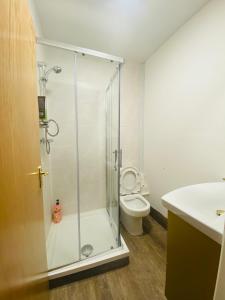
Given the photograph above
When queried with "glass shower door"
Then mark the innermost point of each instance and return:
(113, 152)
(98, 228)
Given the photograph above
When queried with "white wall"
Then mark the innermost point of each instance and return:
(132, 99)
(185, 106)
(35, 17)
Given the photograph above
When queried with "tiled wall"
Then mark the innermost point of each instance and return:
(61, 107)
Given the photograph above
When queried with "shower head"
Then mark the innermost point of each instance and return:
(55, 69)
(44, 74)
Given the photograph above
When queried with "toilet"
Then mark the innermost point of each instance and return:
(133, 205)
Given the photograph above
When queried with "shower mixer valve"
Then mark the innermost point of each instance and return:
(45, 140)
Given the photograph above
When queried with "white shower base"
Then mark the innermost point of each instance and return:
(62, 241)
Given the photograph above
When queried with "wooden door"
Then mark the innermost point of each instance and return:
(22, 242)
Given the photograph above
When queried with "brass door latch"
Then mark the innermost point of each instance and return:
(40, 173)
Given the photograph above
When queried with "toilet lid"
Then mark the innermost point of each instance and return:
(130, 181)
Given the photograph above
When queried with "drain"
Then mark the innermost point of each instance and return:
(87, 249)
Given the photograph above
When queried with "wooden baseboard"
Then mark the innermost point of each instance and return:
(88, 273)
(155, 214)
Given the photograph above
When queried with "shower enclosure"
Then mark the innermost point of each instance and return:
(81, 90)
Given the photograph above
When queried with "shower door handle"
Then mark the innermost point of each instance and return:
(121, 158)
(115, 163)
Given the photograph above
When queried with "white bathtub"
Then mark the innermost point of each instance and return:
(197, 205)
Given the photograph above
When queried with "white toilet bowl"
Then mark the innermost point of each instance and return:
(133, 208)
(133, 205)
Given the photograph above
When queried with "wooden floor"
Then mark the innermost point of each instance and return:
(143, 278)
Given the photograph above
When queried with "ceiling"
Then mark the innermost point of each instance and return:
(133, 29)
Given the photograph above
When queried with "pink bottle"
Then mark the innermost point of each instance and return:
(57, 212)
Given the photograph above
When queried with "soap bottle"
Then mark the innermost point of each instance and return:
(57, 212)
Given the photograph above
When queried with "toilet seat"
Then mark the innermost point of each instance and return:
(135, 205)
(130, 181)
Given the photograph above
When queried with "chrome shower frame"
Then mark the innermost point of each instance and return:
(80, 50)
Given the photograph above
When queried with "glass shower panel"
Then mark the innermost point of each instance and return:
(112, 152)
(58, 154)
(96, 232)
